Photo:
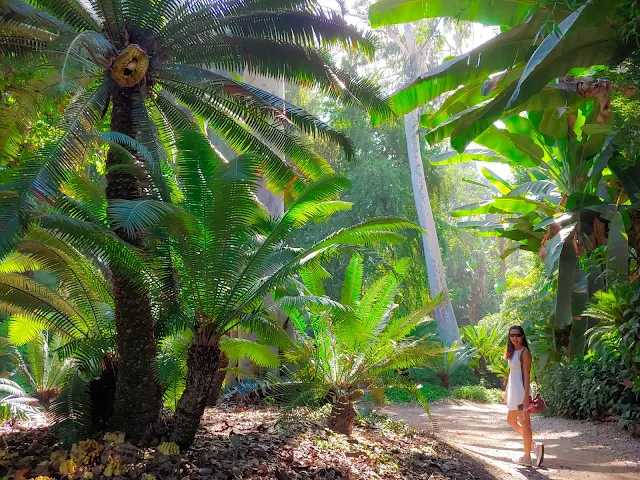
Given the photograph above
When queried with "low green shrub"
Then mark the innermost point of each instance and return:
(433, 393)
(599, 385)
(462, 376)
(429, 391)
(398, 395)
(478, 393)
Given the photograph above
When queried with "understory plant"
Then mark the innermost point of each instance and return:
(230, 253)
(353, 345)
(128, 67)
(15, 404)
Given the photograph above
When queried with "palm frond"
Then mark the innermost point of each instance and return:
(239, 348)
(317, 29)
(70, 410)
(352, 285)
(73, 12)
(15, 404)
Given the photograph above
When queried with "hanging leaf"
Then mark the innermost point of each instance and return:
(550, 42)
(566, 267)
(487, 12)
(517, 147)
(618, 245)
(501, 184)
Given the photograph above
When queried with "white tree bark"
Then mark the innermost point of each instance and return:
(445, 317)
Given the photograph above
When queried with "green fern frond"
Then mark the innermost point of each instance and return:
(69, 410)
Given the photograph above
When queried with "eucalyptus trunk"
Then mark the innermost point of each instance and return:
(202, 365)
(138, 397)
(445, 317)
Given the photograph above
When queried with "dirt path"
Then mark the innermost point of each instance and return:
(574, 450)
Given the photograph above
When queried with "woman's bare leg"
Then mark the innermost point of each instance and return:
(527, 434)
(512, 421)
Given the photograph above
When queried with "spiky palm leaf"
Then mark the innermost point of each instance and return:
(15, 404)
(77, 309)
(362, 346)
(153, 53)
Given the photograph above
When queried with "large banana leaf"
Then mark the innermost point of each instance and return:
(551, 97)
(584, 48)
(500, 53)
(487, 12)
(505, 204)
(618, 245)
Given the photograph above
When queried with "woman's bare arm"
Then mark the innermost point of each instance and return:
(526, 365)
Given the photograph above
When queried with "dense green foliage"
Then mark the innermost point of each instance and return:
(323, 301)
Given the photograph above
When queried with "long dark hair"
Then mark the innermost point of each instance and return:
(508, 354)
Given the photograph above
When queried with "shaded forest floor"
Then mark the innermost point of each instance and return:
(574, 449)
(250, 443)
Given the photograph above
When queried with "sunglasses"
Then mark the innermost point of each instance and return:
(515, 335)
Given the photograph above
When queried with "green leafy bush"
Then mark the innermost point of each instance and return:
(433, 392)
(460, 377)
(398, 395)
(478, 393)
(599, 385)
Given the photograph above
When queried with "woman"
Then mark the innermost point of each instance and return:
(518, 392)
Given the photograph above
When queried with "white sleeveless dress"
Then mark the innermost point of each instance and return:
(515, 390)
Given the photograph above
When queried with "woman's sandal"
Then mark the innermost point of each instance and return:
(539, 449)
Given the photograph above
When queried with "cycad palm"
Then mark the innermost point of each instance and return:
(140, 57)
(63, 317)
(357, 344)
(227, 267)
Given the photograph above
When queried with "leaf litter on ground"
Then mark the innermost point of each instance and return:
(245, 443)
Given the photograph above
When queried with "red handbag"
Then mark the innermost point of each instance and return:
(537, 404)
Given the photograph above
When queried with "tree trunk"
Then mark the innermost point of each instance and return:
(218, 381)
(342, 416)
(138, 397)
(202, 366)
(445, 317)
(444, 380)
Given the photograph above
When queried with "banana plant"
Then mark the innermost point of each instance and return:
(541, 44)
(571, 205)
(351, 345)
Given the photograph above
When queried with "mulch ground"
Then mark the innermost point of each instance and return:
(246, 443)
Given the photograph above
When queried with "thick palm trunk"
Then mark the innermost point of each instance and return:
(138, 397)
(342, 416)
(218, 381)
(445, 317)
(202, 366)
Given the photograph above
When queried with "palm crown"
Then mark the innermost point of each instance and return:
(142, 56)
